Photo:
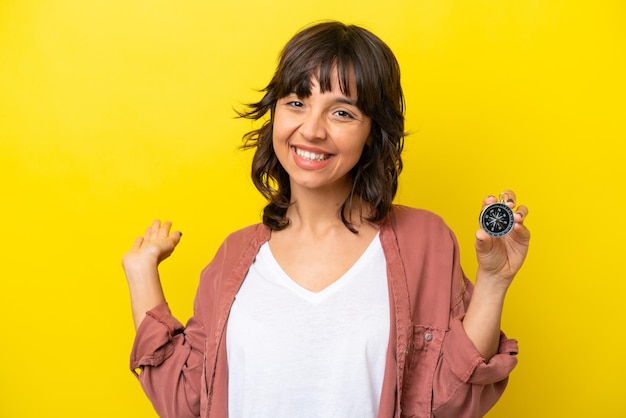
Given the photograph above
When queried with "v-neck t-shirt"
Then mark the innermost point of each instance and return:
(292, 352)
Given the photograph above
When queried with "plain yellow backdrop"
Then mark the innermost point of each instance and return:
(113, 113)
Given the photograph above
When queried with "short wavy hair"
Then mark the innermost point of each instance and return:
(351, 51)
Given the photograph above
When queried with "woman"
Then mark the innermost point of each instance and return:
(340, 304)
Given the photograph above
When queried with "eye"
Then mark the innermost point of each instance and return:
(294, 103)
(291, 100)
(344, 114)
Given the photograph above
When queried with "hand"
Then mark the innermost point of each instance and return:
(503, 257)
(155, 246)
(141, 267)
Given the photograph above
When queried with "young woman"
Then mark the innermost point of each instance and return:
(340, 304)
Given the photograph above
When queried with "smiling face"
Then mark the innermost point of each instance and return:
(368, 77)
(318, 139)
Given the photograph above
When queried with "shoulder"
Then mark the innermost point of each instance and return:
(234, 256)
(407, 218)
(419, 230)
(242, 241)
(248, 234)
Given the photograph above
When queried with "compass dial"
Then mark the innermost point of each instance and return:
(497, 220)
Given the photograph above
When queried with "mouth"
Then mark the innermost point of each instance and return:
(311, 156)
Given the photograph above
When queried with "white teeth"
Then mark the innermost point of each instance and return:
(311, 155)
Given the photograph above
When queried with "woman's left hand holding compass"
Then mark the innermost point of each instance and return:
(503, 256)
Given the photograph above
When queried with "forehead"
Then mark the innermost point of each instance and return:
(351, 56)
(335, 81)
(327, 76)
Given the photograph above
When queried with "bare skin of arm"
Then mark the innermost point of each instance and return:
(499, 260)
(141, 264)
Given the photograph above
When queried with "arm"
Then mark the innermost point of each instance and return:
(141, 267)
(499, 260)
(166, 356)
(167, 359)
(445, 375)
(477, 356)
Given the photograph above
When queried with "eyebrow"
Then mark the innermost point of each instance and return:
(345, 100)
(339, 99)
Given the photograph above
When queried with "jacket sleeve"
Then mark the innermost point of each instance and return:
(167, 358)
(465, 385)
(445, 376)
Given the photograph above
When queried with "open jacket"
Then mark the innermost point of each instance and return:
(432, 368)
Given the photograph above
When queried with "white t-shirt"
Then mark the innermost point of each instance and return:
(296, 353)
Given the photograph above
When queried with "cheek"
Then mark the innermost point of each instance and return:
(368, 140)
(280, 145)
(280, 130)
(279, 140)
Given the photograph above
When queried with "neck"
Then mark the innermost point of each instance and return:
(319, 210)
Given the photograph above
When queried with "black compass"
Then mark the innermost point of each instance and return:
(497, 220)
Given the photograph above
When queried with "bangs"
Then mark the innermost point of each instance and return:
(338, 53)
(297, 75)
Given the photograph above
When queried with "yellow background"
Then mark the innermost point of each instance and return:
(113, 113)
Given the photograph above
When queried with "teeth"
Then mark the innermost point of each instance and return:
(311, 155)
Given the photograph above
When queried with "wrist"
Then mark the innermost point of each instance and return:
(141, 272)
(139, 262)
(491, 284)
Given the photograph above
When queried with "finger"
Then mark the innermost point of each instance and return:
(484, 242)
(521, 213)
(137, 244)
(164, 230)
(153, 230)
(148, 234)
(508, 198)
(521, 232)
(175, 236)
(483, 237)
(491, 199)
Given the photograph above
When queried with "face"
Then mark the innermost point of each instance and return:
(320, 138)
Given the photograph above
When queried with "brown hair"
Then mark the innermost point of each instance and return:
(351, 51)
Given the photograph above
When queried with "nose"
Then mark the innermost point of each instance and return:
(313, 127)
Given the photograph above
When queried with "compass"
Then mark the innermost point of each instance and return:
(497, 220)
